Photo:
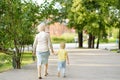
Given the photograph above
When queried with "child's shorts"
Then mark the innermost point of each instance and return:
(61, 65)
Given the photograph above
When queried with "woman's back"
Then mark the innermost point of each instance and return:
(42, 42)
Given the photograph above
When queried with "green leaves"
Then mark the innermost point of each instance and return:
(16, 21)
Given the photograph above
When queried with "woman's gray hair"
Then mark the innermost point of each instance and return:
(41, 27)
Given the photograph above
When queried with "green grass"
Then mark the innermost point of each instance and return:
(27, 58)
(69, 38)
(115, 50)
(6, 62)
(5, 67)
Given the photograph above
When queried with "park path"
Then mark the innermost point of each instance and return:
(85, 64)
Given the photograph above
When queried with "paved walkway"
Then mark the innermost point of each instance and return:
(85, 64)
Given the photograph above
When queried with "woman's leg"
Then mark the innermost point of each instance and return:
(46, 69)
(46, 61)
(39, 65)
(39, 71)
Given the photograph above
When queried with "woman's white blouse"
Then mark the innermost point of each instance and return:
(42, 42)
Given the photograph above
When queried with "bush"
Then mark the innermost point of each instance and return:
(111, 40)
(4, 59)
(66, 37)
(104, 40)
(57, 39)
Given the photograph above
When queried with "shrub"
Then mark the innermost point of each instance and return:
(66, 37)
(4, 59)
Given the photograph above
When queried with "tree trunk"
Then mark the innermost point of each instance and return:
(99, 31)
(98, 43)
(93, 41)
(90, 41)
(18, 56)
(80, 39)
(119, 39)
(18, 63)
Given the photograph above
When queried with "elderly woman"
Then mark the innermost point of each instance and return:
(41, 46)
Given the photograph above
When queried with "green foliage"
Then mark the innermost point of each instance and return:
(78, 19)
(110, 40)
(47, 11)
(4, 59)
(57, 39)
(67, 37)
(105, 40)
(17, 21)
(92, 16)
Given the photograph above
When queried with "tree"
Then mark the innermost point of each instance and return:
(88, 15)
(68, 12)
(77, 18)
(17, 19)
(115, 22)
(48, 12)
(97, 18)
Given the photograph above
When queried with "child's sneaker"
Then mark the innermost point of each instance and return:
(64, 76)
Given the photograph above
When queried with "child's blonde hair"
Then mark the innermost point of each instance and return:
(62, 45)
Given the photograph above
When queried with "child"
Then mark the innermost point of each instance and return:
(62, 57)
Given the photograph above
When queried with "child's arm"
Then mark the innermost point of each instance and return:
(67, 59)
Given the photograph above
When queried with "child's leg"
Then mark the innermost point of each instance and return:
(58, 72)
(59, 68)
(63, 72)
(63, 68)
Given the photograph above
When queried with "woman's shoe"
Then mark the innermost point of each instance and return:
(46, 74)
(58, 74)
(40, 77)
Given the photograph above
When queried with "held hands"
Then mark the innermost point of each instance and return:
(52, 52)
(68, 62)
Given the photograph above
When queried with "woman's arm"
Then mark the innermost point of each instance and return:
(34, 45)
(50, 44)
